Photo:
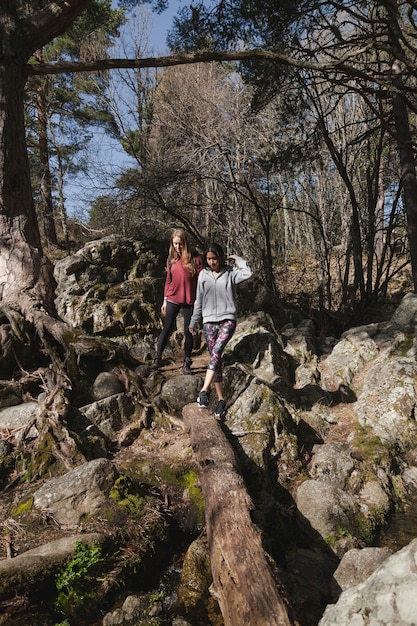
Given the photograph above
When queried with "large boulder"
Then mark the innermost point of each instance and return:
(112, 287)
(263, 425)
(388, 596)
(181, 390)
(79, 492)
(347, 359)
(327, 507)
(333, 462)
(109, 414)
(300, 344)
(388, 399)
(357, 565)
(257, 344)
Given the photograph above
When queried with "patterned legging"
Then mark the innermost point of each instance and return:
(217, 335)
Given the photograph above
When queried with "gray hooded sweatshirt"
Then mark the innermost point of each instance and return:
(215, 300)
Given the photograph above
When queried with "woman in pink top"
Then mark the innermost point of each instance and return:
(182, 270)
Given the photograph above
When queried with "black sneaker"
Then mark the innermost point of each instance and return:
(202, 400)
(220, 408)
(186, 368)
(156, 364)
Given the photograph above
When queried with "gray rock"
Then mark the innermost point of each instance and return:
(406, 314)
(16, 418)
(106, 384)
(10, 400)
(347, 359)
(258, 418)
(387, 597)
(357, 565)
(181, 390)
(180, 621)
(410, 479)
(5, 448)
(110, 414)
(256, 342)
(300, 344)
(373, 497)
(129, 613)
(196, 575)
(109, 287)
(333, 462)
(79, 492)
(387, 401)
(36, 565)
(326, 506)
(114, 618)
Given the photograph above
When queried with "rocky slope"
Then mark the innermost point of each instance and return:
(324, 433)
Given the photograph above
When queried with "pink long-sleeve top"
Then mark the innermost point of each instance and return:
(180, 284)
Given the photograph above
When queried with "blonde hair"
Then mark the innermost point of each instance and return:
(186, 255)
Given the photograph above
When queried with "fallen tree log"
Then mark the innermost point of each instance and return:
(243, 583)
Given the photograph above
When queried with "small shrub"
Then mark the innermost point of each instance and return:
(76, 581)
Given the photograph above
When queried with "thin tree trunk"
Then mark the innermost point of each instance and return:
(379, 209)
(242, 579)
(62, 214)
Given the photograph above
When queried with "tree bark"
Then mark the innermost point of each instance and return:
(242, 579)
(402, 127)
(45, 185)
(23, 267)
(21, 260)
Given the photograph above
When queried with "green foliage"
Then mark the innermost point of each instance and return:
(21, 508)
(264, 23)
(76, 581)
(342, 532)
(156, 597)
(128, 496)
(334, 537)
(406, 345)
(370, 445)
(186, 479)
(61, 110)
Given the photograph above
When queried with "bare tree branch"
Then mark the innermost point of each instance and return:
(201, 57)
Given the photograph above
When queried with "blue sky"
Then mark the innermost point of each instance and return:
(105, 153)
(160, 23)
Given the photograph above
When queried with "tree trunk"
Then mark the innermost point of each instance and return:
(408, 169)
(45, 187)
(402, 127)
(22, 266)
(242, 580)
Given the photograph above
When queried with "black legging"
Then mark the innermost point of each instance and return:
(171, 315)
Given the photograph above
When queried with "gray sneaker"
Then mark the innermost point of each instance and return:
(202, 400)
(220, 408)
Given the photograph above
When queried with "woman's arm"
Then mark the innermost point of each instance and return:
(241, 270)
(198, 305)
(168, 280)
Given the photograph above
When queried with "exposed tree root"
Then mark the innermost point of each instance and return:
(69, 360)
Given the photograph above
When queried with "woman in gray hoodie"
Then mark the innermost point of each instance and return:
(215, 306)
